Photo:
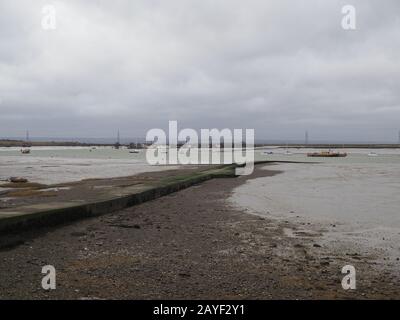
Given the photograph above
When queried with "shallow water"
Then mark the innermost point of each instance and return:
(52, 165)
(64, 164)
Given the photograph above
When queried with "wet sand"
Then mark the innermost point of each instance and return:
(189, 245)
(360, 200)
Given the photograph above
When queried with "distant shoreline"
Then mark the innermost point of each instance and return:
(22, 143)
(338, 145)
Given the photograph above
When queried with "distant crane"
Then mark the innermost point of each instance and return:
(306, 138)
(117, 145)
(26, 144)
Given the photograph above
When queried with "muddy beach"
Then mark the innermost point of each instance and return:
(189, 245)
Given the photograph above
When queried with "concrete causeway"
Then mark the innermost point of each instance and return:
(34, 206)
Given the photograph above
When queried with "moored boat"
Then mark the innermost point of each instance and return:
(327, 154)
(267, 152)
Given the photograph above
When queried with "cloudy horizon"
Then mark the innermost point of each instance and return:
(278, 67)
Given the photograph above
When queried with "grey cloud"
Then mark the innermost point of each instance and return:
(280, 67)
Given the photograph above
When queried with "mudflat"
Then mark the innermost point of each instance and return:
(188, 245)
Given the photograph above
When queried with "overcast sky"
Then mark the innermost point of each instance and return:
(280, 67)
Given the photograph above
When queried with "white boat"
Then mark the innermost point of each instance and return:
(372, 154)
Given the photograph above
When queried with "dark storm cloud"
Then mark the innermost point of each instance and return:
(280, 67)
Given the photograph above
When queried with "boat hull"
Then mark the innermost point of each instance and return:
(327, 155)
